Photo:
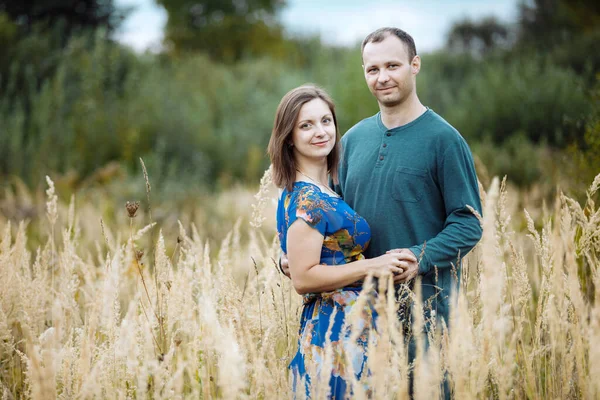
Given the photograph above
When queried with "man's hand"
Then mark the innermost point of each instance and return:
(284, 265)
(411, 270)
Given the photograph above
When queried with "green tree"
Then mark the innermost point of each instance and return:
(35, 37)
(72, 15)
(546, 22)
(567, 31)
(33, 34)
(584, 160)
(478, 37)
(227, 30)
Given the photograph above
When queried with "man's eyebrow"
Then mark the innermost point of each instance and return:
(387, 62)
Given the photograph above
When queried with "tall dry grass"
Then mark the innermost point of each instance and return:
(111, 316)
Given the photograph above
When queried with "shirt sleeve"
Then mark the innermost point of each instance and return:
(462, 229)
(309, 207)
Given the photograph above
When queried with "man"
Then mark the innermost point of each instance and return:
(410, 175)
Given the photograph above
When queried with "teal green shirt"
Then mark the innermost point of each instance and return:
(413, 184)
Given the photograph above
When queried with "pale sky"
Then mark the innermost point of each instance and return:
(343, 22)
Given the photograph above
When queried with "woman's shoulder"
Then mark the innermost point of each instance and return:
(299, 193)
(309, 193)
(306, 197)
(304, 190)
(298, 189)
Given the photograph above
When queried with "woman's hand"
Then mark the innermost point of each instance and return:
(387, 264)
(412, 265)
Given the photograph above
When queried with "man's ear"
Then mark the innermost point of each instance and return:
(415, 64)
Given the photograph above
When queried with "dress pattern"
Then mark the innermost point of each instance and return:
(346, 235)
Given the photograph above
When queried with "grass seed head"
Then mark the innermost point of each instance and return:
(132, 207)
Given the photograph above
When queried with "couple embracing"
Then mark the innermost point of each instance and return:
(390, 198)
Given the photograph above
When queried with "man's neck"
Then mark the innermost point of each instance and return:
(401, 114)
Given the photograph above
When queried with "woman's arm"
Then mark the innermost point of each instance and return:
(304, 245)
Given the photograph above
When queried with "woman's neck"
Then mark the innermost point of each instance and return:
(314, 171)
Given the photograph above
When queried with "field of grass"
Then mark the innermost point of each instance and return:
(155, 304)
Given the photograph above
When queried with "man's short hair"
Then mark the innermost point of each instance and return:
(380, 34)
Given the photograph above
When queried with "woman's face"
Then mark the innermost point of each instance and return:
(314, 133)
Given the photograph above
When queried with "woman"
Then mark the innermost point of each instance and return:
(325, 249)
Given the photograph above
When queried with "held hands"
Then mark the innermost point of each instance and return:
(400, 262)
(411, 268)
(388, 264)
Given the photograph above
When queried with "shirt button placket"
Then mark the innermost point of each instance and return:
(384, 145)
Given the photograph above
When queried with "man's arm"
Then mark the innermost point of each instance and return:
(462, 229)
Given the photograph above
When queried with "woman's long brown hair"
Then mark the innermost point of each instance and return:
(280, 145)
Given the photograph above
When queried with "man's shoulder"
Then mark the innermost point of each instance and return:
(439, 124)
(445, 133)
(363, 127)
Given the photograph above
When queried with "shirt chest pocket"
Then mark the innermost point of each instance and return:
(409, 184)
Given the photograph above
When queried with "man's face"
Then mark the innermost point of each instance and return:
(389, 72)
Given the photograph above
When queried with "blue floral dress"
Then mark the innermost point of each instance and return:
(346, 235)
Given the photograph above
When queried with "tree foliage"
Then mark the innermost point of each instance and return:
(227, 30)
(478, 37)
(35, 33)
(72, 15)
(566, 32)
(202, 112)
(552, 22)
